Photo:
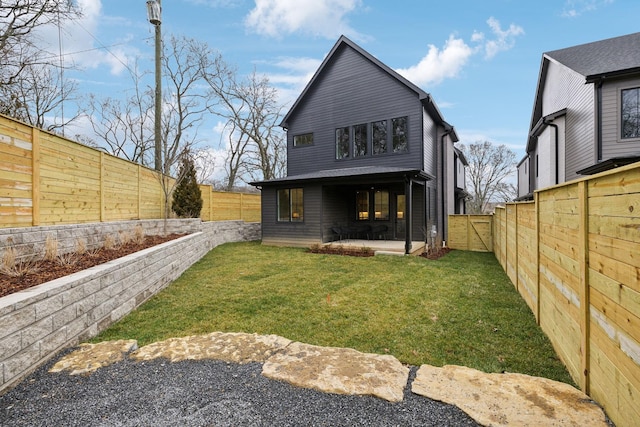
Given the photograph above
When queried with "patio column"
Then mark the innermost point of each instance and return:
(408, 191)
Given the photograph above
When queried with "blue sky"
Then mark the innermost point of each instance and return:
(478, 58)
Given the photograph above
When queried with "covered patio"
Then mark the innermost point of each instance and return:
(380, 247)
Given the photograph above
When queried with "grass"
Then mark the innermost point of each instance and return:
(460, 309)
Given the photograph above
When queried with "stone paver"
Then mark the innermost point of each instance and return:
(508, 399)
(490, 399)
(90, 357)
(339, 370)
(230, 347)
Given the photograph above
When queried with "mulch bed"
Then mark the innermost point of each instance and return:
(436, 253)
(341, 250)
(42, 271)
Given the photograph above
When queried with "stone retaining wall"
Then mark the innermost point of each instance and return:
(38, 322)
(29, 243)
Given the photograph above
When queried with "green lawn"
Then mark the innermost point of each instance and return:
(460, 309)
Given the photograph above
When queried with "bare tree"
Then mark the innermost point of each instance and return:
(18, 21)
(489, 168)
(255, 146)
(35, 94)
(124, 127)
(186, 102)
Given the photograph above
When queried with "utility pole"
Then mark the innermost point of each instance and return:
(154, 11)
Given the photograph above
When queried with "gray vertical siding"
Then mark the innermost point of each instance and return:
(429, 141)
(352, 90)
(305, 232)
(612, 144)
(564, 88)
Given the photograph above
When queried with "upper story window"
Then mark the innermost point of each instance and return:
(379, 136)
(399, 135)
(342, 143)
(302, 140)
(360, 141)
(353, 141)
(630, 112)
(291, 205)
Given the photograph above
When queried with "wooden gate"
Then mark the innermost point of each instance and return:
(471, 232)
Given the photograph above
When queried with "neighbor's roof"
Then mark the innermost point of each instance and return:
(360, 172)
(342, 43)
(604, 58)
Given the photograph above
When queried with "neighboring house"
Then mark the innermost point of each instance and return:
(586, 113)
(369, 155)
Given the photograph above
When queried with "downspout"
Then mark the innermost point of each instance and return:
(599, 119)
(556, 149)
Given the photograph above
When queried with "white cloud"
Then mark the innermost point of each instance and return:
(575, 8)
(504, 39)
(321, 18)
(441, 64)
(438, 64)
(80, 45)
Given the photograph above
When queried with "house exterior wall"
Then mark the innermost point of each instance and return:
(429, 141)
(564, 88)
(612, 143)
(524, 169)
(350, 91)
(304, 233)
(545, 159)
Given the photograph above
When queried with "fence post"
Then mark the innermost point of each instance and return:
(139, 192)
(537, 252)
(102, 207)
(585, 303)
(241, 207)
(35, 176)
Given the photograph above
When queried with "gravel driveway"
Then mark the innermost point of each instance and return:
(202, 393)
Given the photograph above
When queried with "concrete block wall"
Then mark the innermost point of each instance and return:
(29, 243)
(38, 322)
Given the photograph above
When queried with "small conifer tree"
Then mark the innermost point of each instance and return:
(187, 197)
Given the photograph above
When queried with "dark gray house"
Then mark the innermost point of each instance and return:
(586, 113)
(369, 156)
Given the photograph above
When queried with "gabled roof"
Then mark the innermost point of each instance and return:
(344, 42)
(604, 58)
(614, 57)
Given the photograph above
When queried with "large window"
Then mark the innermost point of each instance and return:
(630, 110)
(291, 205)
(379, 136)
(360, 140)
(362, 205)
(302, 140)
(399, 135)
(342, 143)
(381, 205)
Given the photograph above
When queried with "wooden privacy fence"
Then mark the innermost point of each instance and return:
(471, 232)
(574, 256)
(46, 179)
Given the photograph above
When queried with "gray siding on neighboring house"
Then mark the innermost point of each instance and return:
(524, 185)
(306, 231)
(612, 143)
(565, 88)
(352, 90)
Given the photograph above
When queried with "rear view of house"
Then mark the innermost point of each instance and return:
(369, 155)
(586, 113)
